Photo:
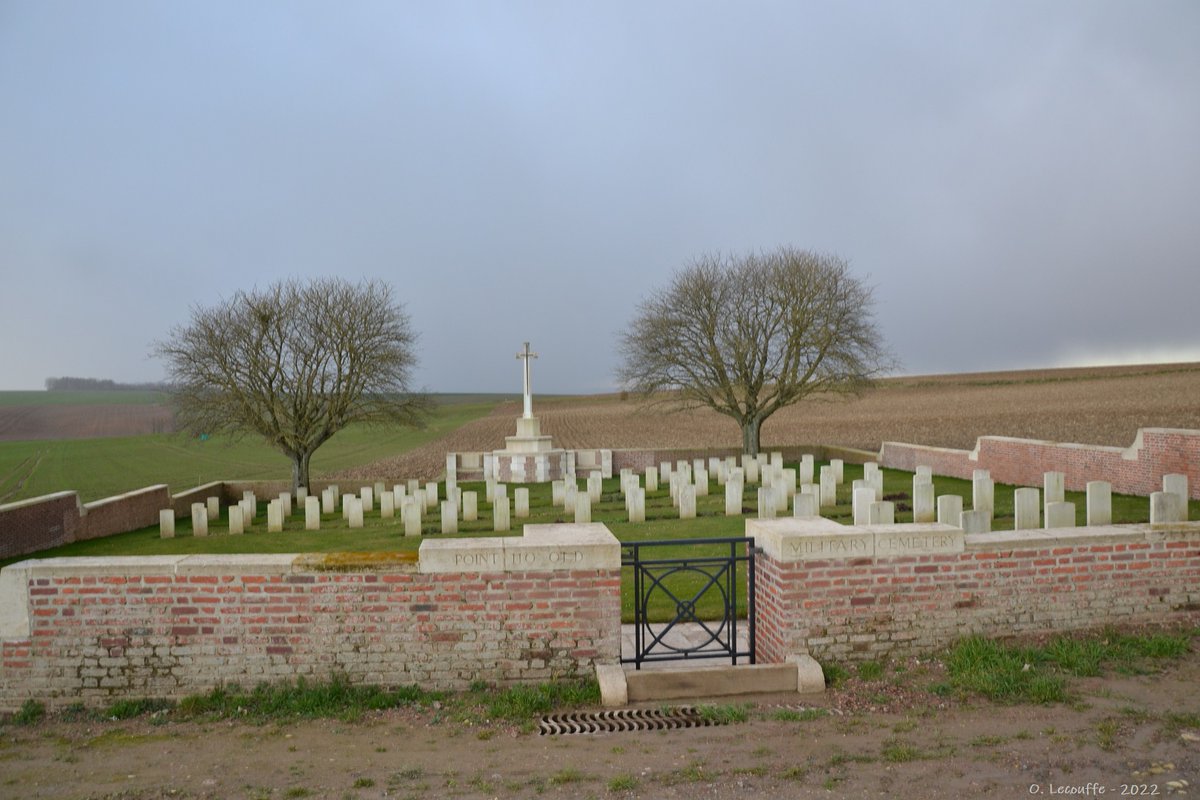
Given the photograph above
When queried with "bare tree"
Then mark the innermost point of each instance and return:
(747, 336)
(295, 363)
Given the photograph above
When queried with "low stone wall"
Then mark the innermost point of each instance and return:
(511, 609)
(1137, 469)
(845, 592)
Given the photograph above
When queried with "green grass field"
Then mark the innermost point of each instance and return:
(99, 468)
(662, 522)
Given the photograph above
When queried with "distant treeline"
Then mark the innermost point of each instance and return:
(100, 385)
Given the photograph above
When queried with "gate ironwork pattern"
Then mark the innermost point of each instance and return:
(672, 580)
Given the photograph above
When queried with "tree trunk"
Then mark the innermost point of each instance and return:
(750, 429)
(300, 470)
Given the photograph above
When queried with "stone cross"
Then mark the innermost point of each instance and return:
(526, 355)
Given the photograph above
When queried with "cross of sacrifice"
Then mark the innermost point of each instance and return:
(526, 355)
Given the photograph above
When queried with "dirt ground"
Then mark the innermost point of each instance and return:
(1103, 405)
(1127, 735)
(18, 423)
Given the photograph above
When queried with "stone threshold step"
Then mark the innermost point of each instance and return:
(619, 686)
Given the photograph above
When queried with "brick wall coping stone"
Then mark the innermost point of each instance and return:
(542, 547)
(815, 538)
(120, 498)
(33, 501)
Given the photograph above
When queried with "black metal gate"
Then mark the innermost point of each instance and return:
(672, 589)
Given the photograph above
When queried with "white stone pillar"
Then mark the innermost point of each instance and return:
(1099, 503)
(950, 509)
(166, 523)
(828, 488)
(976, 521)
(521, 502)
(274, 516)
(312, 513)
(213, 507)
(1027, 509)
(882, 512)
(1167, 507)
(733, 498)
(235, 520)
(449, 517)
(1060, 515)
(923, 506)
(583, 508)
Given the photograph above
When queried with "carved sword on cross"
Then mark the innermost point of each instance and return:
(526, 355)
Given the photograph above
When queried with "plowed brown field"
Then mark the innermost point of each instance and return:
(1090, 406)
(22, 423)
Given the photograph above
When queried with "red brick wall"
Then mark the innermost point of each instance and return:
(183, 628)
(128, 512)
(33, 525)
(869, 608)
(1137, 470)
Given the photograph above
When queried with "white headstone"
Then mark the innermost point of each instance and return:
(411, 516)
(701, 482)
(490, 490)
(1027, 509)
(950, 509)
(367, 495)
(767, 504)
(356, 512)
(378, 490)
(166, 523)
(449, 517)
(687, 501)
(501, 514)
(733, 498)
(328, 501)
(751, 467)
(1060, 515)
(583, 508)
(285, 504)
(804, 505)
(199, 519)
(521, 502)
(431, 491)
(1054, 488)
(1099, 503)
(882, 512)
(806, 469)
(275, 516)
(651, 479)
(828, 488)
(213, 506)
(235, 520)
(923, 506)
(470, 506)
(839, 470)
(923, 474)
(595, 486)
(983, 494)
(312, 514)
(1176, 483)
(637, 508)
(976, 521)
(346, 499)
(387, 505)
(1166, 507)
(862, 500)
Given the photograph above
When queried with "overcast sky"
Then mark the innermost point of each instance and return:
(1020, 181)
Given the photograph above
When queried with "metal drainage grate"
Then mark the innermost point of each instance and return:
(625, 719)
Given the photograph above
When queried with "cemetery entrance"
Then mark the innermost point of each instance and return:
(693, 599)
